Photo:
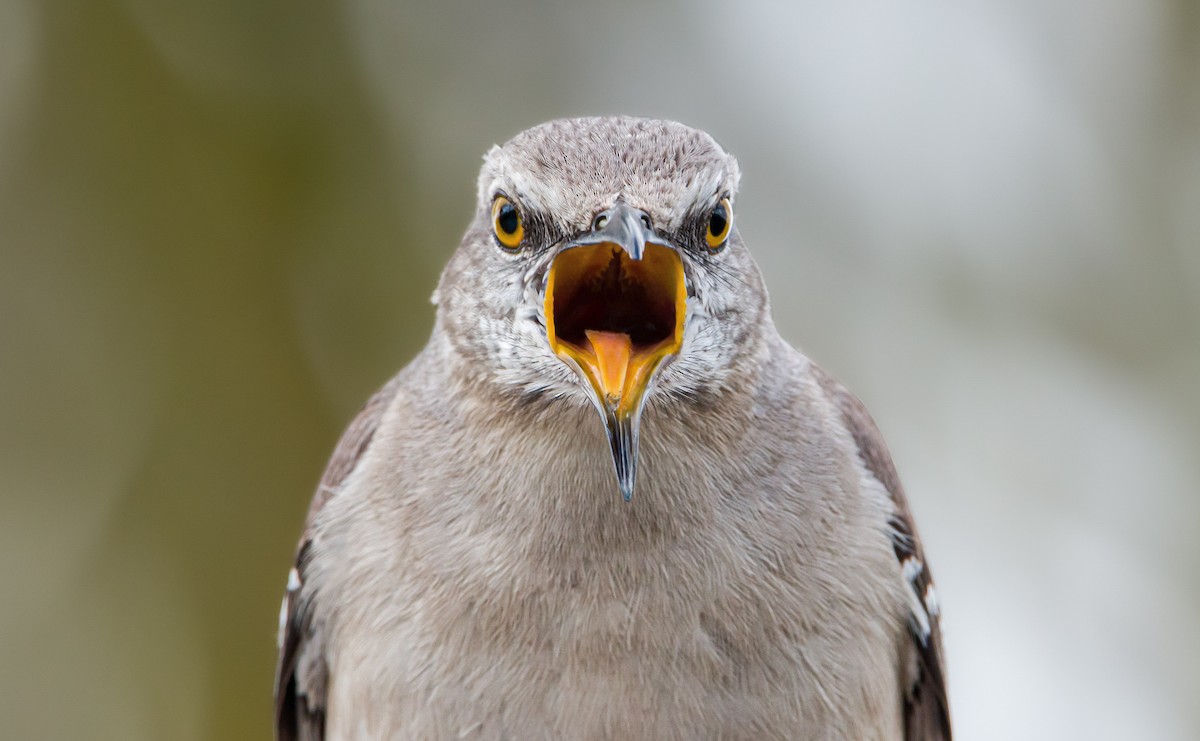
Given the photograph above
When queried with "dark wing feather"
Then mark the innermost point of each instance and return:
(301, 675)
(926, 712)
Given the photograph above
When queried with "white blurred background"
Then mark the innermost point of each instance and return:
(220, 225)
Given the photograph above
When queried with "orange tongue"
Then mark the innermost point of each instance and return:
(612, 351)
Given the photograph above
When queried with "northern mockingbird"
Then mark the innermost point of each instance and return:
(471, 566)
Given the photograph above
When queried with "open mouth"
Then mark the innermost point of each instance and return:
(616, 317)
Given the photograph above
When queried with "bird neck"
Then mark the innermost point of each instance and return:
(538, 467)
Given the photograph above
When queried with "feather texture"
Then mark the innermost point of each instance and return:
(302, 675)
(926, 712)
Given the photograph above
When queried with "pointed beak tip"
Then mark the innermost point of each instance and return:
(623, 441)
(615, 362)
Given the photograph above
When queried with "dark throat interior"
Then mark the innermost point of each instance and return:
(610, 292)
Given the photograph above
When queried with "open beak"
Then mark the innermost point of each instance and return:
(615, 306)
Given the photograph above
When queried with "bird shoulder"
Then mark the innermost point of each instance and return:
(301, 674)
(926, 711)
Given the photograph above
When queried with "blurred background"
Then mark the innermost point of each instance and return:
(220, 224)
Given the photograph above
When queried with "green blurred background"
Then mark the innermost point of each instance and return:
(220, 224)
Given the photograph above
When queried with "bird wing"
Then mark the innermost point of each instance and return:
(302, 673)
(926, 712)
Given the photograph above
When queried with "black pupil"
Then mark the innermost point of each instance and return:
(507, 219)
(717, 222)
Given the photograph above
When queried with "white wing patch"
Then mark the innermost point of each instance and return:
(918, 609)
(293, 587)
(932, 606)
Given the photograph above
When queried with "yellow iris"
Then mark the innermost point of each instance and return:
(720, 221)
(507, 223)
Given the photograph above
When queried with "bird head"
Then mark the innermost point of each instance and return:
(604, 267)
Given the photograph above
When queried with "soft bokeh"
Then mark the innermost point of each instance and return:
(220, 224)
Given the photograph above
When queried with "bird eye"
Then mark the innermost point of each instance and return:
(719, 222)
(506, 223)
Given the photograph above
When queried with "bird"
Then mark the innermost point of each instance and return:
(608, 500)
